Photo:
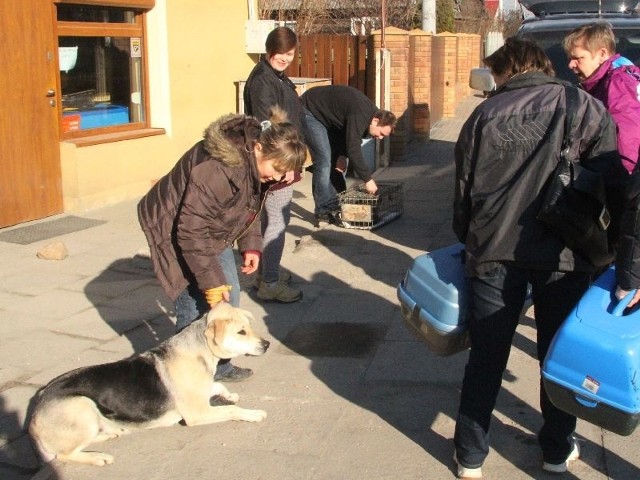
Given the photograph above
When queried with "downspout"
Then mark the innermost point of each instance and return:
(253, 9)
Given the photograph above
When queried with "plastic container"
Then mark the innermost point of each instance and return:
(432, 300)
(592, 368)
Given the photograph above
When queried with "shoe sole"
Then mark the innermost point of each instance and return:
(277, 300)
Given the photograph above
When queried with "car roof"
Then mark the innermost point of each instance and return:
(567, 22)
(551, 7)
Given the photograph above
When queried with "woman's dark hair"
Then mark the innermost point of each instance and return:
(518, 56)
(280, 40)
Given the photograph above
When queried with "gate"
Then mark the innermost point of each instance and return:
(342, 58)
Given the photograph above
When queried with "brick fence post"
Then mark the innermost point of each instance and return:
(397, 43)
(420, 84)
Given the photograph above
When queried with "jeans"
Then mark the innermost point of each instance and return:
(275, 218)
(495, 303)
(325, 194)
(191, 304)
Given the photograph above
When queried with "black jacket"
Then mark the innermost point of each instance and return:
(506, 151)
(628, 257)
(346, 112)
(265, 88)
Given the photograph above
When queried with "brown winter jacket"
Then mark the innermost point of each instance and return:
(209, 200)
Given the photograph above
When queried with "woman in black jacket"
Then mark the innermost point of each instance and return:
(268, 87)
(504, 155)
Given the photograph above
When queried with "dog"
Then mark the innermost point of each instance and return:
(158, 388)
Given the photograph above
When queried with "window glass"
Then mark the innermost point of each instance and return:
(100, 53)
(81, 13)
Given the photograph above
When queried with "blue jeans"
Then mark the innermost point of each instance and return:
(316, 135)
(496, 301)
(191, 304)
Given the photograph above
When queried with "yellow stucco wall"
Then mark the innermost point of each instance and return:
(196, 52)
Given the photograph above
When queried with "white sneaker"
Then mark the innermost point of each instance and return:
(464, 472)
(564, 466)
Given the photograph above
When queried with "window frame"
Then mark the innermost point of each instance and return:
(137, 29)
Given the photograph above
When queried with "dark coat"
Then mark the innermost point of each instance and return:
(628, 257)
(506, 151)
(266, 88)
(208, 201)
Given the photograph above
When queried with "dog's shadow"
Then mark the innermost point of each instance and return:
(129, 300)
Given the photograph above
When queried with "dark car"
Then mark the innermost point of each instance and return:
(552, 20)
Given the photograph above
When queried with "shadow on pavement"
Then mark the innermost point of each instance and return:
(129, 299)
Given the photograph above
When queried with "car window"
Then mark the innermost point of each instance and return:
(628, 45)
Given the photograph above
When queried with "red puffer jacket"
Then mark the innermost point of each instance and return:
(209, 200)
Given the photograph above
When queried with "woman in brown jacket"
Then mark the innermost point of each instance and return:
(210, 200)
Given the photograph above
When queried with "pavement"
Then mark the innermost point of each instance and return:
(350, 393)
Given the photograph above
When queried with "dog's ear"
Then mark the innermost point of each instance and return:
(248, 316)
(221, 310)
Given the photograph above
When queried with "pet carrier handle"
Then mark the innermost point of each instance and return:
(585, 402)
(622, 304)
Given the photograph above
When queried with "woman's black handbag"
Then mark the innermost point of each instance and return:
(574, 202)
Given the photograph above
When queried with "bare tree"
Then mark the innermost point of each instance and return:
(342, 16)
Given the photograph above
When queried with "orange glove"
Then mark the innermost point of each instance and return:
(216, 295)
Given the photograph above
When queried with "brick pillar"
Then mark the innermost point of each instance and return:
(443, 76)
(420, 84)
(468, 45)
(397, 42)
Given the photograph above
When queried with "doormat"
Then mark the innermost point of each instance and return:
(46, 230)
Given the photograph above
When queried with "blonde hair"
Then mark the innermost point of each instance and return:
(591, 37)
(282, 143)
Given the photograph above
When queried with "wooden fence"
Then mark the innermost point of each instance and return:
(342, 58)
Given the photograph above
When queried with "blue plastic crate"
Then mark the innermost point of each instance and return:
(592, 368)
(100, 115)
(432, 300)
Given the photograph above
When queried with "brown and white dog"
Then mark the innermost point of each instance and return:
(158, 388)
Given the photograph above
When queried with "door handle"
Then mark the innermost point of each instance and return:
(51, 92)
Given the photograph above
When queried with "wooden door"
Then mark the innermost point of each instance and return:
(30, 176)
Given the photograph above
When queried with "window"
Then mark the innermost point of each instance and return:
(102, 68)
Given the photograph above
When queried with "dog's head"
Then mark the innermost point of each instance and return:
(229, 332)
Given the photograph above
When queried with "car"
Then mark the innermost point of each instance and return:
(552, 20)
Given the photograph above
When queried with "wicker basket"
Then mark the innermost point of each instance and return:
(367, 211)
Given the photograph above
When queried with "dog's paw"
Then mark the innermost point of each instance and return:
(253, 415)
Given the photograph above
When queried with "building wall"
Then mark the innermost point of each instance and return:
(196, 51)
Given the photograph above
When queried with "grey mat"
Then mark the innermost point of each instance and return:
(46, 230)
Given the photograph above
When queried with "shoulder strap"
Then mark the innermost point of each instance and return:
(571, 105)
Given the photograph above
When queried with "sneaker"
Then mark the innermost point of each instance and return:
(236, 374)
(464, 472)
(564, 466)
(280, 292)
(323, 220)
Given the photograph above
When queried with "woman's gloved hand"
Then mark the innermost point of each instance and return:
(216, 295)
